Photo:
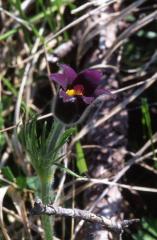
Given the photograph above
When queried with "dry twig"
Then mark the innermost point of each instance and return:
(50, 209)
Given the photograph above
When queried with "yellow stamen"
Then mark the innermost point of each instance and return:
(71, 92)
(74, 92)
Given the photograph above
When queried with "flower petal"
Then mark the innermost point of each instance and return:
(69, 112)
(92, 75)
(100, 91)
(60, 79)
(88, 100)
(69, 73)
(90, 80)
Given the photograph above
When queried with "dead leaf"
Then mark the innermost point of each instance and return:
(3, 191)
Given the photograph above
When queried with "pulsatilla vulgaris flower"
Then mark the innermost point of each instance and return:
(77, 91)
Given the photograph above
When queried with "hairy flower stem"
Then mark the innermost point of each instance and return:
(46, 179)
(46, 195)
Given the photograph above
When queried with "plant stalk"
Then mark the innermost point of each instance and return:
(46, 196)
(46, 179)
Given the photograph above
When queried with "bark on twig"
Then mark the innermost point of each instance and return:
(50, 209)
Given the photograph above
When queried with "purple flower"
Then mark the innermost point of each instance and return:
(77, 91)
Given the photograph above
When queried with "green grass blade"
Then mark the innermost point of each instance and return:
(67, 170)
(80, 159)
(147, 122)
